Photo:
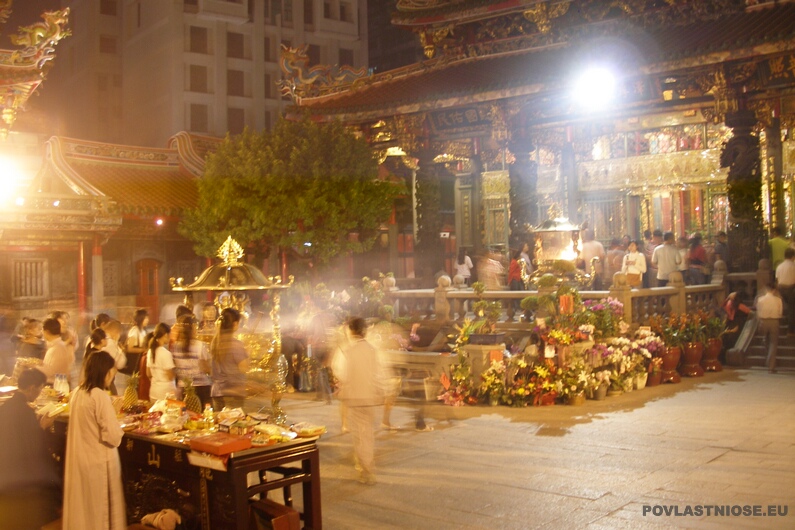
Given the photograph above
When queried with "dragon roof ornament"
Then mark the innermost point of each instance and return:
(299, 80)
(23, 69)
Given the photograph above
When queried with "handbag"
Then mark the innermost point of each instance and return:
(633, 279)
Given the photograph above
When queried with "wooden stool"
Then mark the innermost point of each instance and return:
(279, 516)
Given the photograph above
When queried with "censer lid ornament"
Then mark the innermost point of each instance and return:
(231, 275)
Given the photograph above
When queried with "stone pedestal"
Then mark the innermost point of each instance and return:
(479, 357)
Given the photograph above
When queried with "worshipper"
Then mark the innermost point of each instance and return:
(778, 244)
(98, 321)
(362, 391)
(320, 329)
(785, 278)
(31, 343)
(136, 345)
(463, 266)
(229, 363)
(736, 315)
(634, 265)
(191, 358)
(653, 240)
(68, 334)
(769, 309)
(666, 259)
(593, 249)
(614, 260)
(525, 257)
(59, 358)
(697, 261)
(160, 364)
(625, 241)
(29, 484)
(514, 279)
(720, 252)
(93, 492)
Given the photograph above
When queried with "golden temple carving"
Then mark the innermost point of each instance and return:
(230, 252)
(299, 80)
(542, 14)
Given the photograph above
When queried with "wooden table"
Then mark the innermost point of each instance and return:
(158, 475)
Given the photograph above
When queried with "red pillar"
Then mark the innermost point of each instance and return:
(284, 265)
(81, 277)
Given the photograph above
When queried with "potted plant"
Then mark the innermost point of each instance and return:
(489, 312)
(670, 329)
(693, 336)
(655, 371)
(599, 382)
(714, 329)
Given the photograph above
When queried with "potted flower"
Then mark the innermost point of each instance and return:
(655, 371)
(488, 312)
(599, 382)
(694, 334)
(492, 384)
(671, 330)
(713, 329)
(573, 381)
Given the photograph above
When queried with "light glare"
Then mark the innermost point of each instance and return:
(595, 89)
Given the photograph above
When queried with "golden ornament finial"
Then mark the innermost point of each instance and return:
(231, 252)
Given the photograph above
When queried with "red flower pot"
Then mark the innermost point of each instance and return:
(654, 378)
(670, 360)
(691, 359)
(710, 361)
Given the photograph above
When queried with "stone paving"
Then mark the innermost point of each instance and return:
(724, 439)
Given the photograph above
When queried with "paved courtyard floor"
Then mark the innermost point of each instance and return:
(726, 439)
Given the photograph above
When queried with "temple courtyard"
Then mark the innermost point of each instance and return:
(725, 441)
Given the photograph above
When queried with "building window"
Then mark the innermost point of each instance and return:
(107, 44)
(107, 7)
(235, 120)
(198, 118)
(234, 83)
(327, 9)
(276, 8)
(234, 45)
(346, 57)
(268, 87)
(198, 39)
(198, 78)
(309, 12)
(314, 54)
(346, 12)
(190, 6)
(287, 12)
(29, 279)
(268, 120)
(268, 56)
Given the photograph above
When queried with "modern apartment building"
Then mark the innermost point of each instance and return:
(138, 71)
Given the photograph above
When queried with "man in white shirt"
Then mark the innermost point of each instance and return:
(769, 309)
(58, 359)
(666, 259)
(593, 249)
(785, 278)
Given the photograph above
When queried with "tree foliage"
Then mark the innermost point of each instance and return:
(303, 183)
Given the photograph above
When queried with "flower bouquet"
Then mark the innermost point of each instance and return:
(492, 384)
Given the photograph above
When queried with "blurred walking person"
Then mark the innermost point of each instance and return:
(229, 363)
(361, 390)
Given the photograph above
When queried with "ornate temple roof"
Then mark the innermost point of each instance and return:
(534, 64)
(136, 180)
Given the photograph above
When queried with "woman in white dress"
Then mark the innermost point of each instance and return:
(160, 364)
(93, 491)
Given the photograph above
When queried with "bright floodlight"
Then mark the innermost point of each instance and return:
(595, 88)
(11, 178)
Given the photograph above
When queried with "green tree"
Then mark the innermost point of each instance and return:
(303, 183)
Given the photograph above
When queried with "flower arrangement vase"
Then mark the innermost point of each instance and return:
(576, 399)
(494, 401)
(547, 399)
(640, 380)
(670, 360)
(614, 392)
(709, 361)
(654, 378)
(691, 359)
(600, 392)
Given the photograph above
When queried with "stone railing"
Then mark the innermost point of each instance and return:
(445, 304)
